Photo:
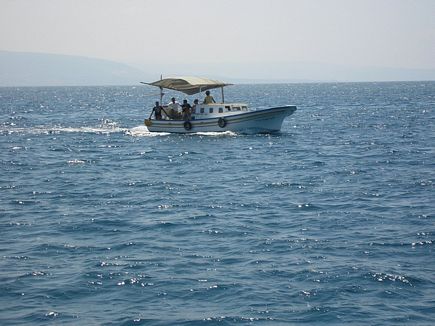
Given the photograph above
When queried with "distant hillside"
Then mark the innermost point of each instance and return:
(38, 69)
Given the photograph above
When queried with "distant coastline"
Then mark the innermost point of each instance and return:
(43, 69)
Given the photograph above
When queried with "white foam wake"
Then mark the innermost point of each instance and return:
(139, 131)
(142, 131)
(107, 126)
(215, 133)
(39, 130)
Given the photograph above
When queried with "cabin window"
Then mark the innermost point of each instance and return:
(237, 108)
(245, 108)
(221, 110)
(228, 108)
(202, 110)
(210, 110)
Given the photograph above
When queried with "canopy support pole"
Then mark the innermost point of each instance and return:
(223, 98)
(161, 92)
(161, 96)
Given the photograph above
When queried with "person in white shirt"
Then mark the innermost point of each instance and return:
(174, 109)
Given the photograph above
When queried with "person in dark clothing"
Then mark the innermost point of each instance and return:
(158, 111)
(186, 110)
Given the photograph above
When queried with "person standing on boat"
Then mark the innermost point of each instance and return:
(158, 111)
(173, 109)
(186, 110)
(208, 98)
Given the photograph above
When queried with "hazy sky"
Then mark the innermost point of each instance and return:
(378, 33)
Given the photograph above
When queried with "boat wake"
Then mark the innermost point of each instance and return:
(107, 126)
(40, 130)
(216, 133)
(104, 129)
(142, 131)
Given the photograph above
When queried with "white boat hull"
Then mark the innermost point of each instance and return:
(259, 121)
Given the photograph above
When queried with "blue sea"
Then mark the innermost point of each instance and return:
(329, 222)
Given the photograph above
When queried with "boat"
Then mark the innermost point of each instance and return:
(213, 117)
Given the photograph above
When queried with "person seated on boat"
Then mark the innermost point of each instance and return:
(208, 98)
(186, 111)
(173, 109)
(158, 111)
(195, 103)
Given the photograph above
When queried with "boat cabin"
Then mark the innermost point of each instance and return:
(213, 110)
(204, 111)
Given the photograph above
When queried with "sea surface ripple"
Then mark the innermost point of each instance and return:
(329, 222)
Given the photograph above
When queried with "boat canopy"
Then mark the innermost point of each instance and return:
(188, 85)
